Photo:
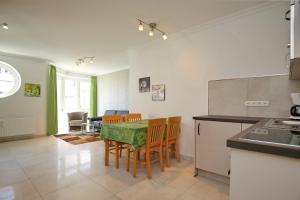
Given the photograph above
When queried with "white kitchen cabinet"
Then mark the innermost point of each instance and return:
(211, 152)
(261, 176)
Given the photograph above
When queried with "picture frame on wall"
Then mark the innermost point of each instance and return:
(144, 84)
(32, 90)
(158, 92)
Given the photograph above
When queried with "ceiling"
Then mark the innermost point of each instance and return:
(64, 30)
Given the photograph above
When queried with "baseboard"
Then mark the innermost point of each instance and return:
(216, 177)
(19, 137)
(188, 158)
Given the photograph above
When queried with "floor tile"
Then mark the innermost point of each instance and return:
(23, 190)
(116, 181)
(53, 181)
(11, 176)
(85, 190)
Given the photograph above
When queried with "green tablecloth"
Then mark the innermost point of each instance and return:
(133, 133)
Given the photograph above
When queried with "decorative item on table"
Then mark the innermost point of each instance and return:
(32, 90)
(144, 84)
(158, 92)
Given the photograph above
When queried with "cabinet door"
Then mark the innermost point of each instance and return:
(246, 125)
(211, 152)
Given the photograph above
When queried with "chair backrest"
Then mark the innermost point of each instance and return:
(173, 127)
(111, 118)
(155, 132)
(122, 112)
(77, 116)
(110, 112)
(133, 117)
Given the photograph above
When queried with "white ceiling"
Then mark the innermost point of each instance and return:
(65, 30)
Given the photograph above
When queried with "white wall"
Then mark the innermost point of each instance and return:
(113, 91)
(249, 44)
(18, 106)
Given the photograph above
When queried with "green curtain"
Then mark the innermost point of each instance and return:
(52, 101)
(93, 97)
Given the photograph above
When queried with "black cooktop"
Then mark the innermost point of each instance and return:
(275, 132)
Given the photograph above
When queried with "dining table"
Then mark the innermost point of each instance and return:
(132, 133)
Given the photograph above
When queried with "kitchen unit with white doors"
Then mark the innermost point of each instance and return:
(211, 133)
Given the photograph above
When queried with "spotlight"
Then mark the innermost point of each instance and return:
(4, 26)
(151, 33)
(141, 27)
(164, 36)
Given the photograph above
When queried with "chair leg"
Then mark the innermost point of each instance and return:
(121, 147)
(139, 156)
(161, 159)
(106, 157)
(173, 150)
(148, 165)
(177, 153)
(128, 159)
(134, 163)
(167, 155)
(117, 155)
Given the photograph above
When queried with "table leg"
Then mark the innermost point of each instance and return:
(106, 156)
(128, 159)
(117, 155)
(134, 163)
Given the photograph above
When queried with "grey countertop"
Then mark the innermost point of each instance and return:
(238, 142)
(226, 118)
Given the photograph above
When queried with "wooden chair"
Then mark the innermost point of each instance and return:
(172, 138)
(133, 117)
(154, 143)
(112, 145)
(111, 118)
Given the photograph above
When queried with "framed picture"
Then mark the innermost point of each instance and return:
(144, 84)
(32, 90)
(158, 92)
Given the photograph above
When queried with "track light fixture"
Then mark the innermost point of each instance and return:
(4, 26)
(85, 60)
(152, 27)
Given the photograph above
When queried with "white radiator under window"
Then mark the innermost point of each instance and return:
(17, 126)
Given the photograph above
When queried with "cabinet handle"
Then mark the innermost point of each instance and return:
(228, 172)
(198, 128)
(286, 15)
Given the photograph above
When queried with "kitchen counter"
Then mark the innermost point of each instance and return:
(225, 118)
(240, 140)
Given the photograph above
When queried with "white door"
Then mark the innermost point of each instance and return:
(211, 152)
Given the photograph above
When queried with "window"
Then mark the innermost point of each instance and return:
(10, 80)
(84, 88)
(71, 95)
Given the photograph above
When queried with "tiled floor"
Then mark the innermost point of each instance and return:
(49, 168)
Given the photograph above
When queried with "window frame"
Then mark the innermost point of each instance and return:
(16, 76)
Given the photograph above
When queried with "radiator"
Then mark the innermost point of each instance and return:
(17, 126)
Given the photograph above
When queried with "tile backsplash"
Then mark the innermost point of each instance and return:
(227, 97)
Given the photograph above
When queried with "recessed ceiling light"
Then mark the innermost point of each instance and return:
(4, 26)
